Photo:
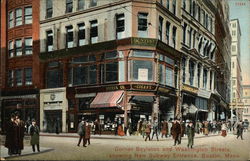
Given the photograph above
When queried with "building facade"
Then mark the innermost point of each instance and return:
(20, 78)
(236, 73)
(246, 101)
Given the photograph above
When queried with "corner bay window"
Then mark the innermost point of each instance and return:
(142, 25)
(142, 70)
(166, 71)
(11, 21)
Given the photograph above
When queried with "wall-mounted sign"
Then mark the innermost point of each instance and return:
(142, 74)
(143, 41)
(203, 93)
(190, 89)
(143, 87)
(163, 90)
(118, 87)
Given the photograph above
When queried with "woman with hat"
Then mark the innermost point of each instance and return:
(34, 133)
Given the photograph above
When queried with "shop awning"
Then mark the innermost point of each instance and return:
(107, 99)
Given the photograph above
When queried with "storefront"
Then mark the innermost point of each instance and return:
(53, 108)
(26, 104)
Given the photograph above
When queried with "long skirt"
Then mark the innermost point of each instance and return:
(224, 133)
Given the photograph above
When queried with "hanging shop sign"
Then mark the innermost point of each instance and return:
(203, 93)
(143, 87)
(189, 89)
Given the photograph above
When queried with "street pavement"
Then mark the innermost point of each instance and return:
(108, 147)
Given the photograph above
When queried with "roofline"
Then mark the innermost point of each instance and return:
(237, 22)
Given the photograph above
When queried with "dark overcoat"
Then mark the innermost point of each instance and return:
(34, 133)
(176, 130)
(11, 135)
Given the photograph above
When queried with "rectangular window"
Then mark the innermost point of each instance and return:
(184, 33)
(233, 48)
(69, 37)
(19, 78)
(162, 74)
(69, 6)
(233, 65)
(120, 26)
(18, 45)
(54, 78)
(204, 17)
(169, 77)
(93, 3)
(183, 70)
(206, 21)
(204, 78)
(111, 55)
(160, 28)
(167, 4)
(92, 74)
(184, 4)
(11, 21)
(167, 32)
(191, 73)
(174, 36)
(174, 6)
(80, 75)
(11, 47)
(198, 75)
(81, 34)
(111, 72)
(211, 24)
(49, 40)
(81, 4)
(49, 9)
(199, 13)
(233, 32)
(142, 24)
(18, 15)
(28, 15)
(10, 78)
(28, 46)
(94, 31)
(141, 53)
(28, 76)
(142, 70)
(190, 36)
(121, 71)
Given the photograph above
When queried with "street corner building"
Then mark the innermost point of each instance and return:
(120, 60)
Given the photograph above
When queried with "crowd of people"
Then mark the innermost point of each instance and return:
(178, 128)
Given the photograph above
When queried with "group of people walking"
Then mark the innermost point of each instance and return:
(84, 131)
(15, 131)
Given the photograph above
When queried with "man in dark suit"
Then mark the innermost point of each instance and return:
(176, 131)
(81, 132)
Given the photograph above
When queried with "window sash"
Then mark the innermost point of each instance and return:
(28, 15)
(69, 6)
(28, 46)
(19, 78)
(69, 37)
(11, 22)
(81, 4)
(81, 34)
(10, 78)
(11, 49)
(18, 17)
(18, 45)
(142, 22)
(93, 29)
(49, 9)
(120, 23)
(28, 76)
(49, 41)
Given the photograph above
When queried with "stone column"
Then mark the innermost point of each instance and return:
(187, 71)
(201, 76)
(195, 74)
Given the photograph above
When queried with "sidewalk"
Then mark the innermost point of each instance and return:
(132, 137)
(26, 151)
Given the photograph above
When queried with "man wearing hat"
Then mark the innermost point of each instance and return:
(81, 132)
(190, 134)
(34, 133)
(176, 131)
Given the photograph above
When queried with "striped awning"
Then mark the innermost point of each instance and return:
(107, 99)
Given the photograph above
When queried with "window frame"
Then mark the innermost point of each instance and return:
(69, 6)
(18, 49)
(18, 17)
(11, 20)
(81, 34)
(28, 47)
(69, 36)
(142, 29)
(11, 52)
(49, 33)
(49, 8)
(28, 17)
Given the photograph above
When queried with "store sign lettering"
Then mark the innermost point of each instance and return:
(189, 89)
(143, 87)
(112, 88)
(144, 41)
(163, 90)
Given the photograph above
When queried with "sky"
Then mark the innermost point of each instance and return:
(240, 9)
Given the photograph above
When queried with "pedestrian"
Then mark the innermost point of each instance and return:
(170, 123)
(120, 130)
(11, 135)
(19, 129)
(155, 129)
(206, 128)
(139, 127)
(164, 129)
(97, 127)
(197, 127)
(176, 131)
(87, 133)
(57, 126)
(182, 124)
(224, 129)
(148, 131)
(214, 127)
(190, 134)
(34, 133)
(81, 132)
(240, 130)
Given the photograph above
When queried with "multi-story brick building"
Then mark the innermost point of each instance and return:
(20, 72)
